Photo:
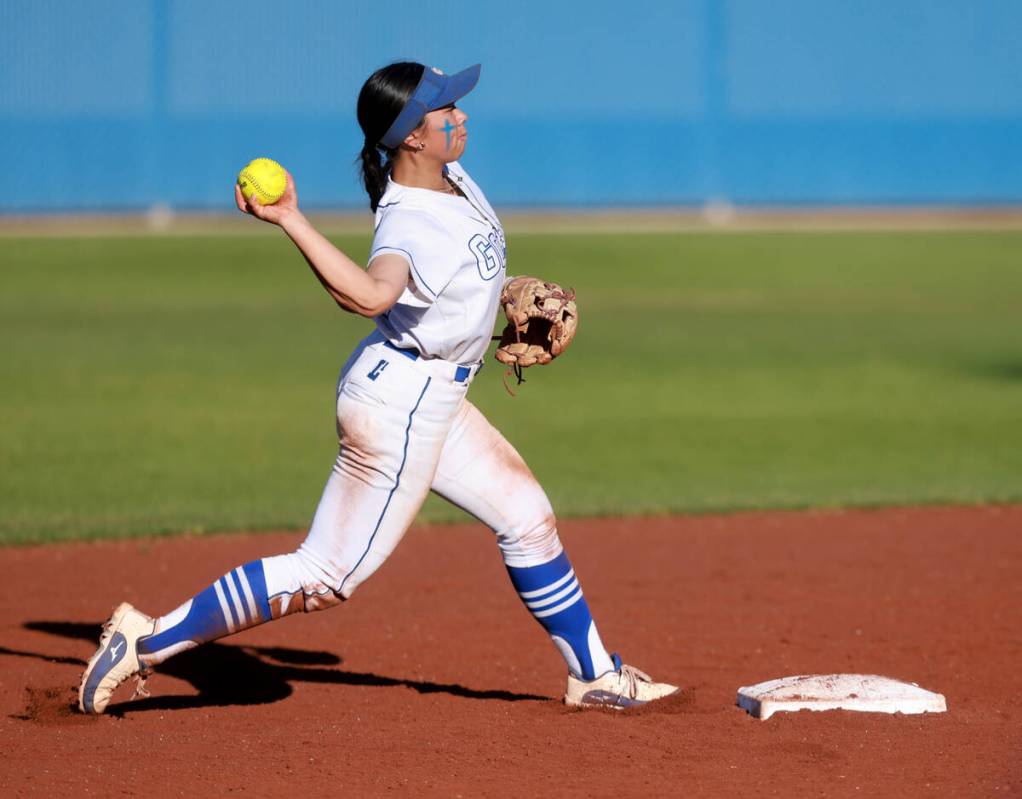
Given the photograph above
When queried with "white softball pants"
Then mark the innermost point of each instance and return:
(405, 427)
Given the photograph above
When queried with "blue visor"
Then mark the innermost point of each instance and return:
(435, 90)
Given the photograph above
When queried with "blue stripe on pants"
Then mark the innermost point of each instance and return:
(397, 483)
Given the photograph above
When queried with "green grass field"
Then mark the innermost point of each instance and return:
(163, 384)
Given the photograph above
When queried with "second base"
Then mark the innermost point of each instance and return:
(863, 692)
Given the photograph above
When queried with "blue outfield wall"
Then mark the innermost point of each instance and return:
(127, 104)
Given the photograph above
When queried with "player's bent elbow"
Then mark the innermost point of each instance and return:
(368, 311)
(384, 297)
(371, 311)
(375, 302)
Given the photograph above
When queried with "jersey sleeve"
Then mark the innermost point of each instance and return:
(422, 241)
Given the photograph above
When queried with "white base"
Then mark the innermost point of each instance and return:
(863, 692)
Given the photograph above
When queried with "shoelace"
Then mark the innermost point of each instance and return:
(633, 676)
(140, 690)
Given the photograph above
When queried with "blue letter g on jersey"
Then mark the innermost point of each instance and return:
(489, 259)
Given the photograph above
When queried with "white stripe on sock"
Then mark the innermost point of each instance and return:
(172, 619)
(223, 606)
(249, 598)
(569, 655)
(236, 600)
(602, 662)
(550, 600)
(567, 603)
(552, 587)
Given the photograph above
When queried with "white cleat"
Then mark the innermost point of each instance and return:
(625, 687)
(116, 660)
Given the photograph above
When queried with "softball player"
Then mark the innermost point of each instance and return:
(404, 424)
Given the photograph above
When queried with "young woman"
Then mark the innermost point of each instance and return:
(404, 424)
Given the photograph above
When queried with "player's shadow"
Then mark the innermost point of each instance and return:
(223, 674)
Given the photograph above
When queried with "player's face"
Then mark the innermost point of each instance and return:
(445, 133)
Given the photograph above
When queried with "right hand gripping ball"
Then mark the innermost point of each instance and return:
(263, 178)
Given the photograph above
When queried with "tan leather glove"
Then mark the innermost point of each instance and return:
(541, 322)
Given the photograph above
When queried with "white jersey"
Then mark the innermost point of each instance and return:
(456, 254)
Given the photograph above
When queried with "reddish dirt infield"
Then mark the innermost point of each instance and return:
(434, 681)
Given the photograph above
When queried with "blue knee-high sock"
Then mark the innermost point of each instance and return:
(553, 596)
(233, 603)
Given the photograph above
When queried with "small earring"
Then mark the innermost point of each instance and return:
(422, 145)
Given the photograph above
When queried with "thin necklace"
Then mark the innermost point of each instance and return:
(464, 191)
(450, 188)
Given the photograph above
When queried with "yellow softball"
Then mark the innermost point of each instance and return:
(265, 179)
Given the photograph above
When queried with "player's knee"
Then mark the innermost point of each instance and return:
(534, 540)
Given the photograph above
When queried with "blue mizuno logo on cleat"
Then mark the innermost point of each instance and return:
(102, 668)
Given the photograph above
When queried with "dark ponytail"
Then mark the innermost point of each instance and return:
(382, 97)
(374, 173)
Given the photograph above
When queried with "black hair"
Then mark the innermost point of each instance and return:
(383, 96)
